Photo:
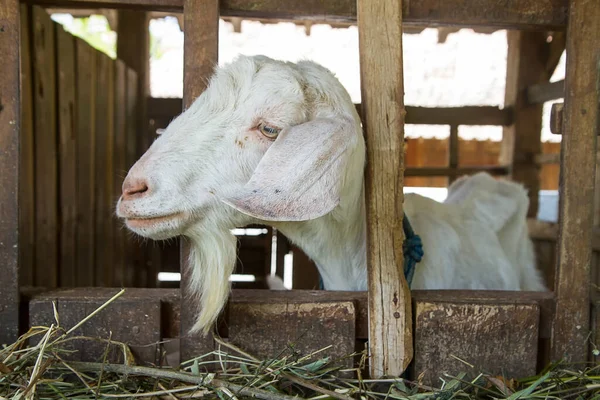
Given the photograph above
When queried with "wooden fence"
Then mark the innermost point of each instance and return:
(78, 139)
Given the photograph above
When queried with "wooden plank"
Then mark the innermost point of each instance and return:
(543, 92)
(120, 167)
(134, 320)
(103, 171)
(27, 158)
(9, 178)
(556, 118)
(447, 171)
(522, 14)
(521, 142)
(46, 156)
(382, 88)
(549, 231)
(201, 53)
(453, 152)
(498, 339)
(67, 161)
(86, 138)
(578, 167)
(302, 329)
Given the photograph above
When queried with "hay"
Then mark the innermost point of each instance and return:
(43, 371)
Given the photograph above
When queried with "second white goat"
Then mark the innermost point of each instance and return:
(281, 144)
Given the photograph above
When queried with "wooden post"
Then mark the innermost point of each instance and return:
(528, 55)
(578, 168)
(390, 314)
(453, 151)
(9, 175)
(200, 57)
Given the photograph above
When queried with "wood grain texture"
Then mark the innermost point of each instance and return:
(497, 339)
(301, 328)
(104, 170)
(201, 53)
(120, 170)
(67, 161)
(578, 168)
(46, 152)
(543, 92)
(521, 142)
(27, 158)
(521, 14)
(556, 118)
(86, 177)
(9, 176)
(382, 89)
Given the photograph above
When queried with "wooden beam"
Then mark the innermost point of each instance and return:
(521, 142)
(578, 167)
(453, 152)
(456, 172)
(382, 88)
(523, 14)
(201, 52)
(543, 92)
(548, 231)
(9, 177)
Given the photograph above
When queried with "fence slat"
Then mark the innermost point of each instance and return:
(46, 165)
(578, 168)
(103, 174)
(9, 171)
(201, 51)
(27, 158)
(86, 129)
(120, 169)
(67, 161)
(381, 67)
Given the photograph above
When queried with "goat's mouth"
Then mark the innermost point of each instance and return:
(145, 222)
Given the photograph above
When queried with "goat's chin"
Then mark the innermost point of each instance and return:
(211, 263)
(158, 228)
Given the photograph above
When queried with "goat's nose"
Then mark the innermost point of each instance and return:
(134, 188)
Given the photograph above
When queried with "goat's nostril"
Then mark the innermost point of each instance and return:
(134, 188)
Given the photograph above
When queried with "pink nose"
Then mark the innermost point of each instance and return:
(134, 188)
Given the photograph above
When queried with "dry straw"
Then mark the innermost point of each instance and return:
(36, 366)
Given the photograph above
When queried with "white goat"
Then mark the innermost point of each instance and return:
(279, 143)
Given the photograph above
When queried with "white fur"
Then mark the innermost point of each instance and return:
(211, 170)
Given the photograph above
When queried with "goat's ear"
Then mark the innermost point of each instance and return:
(299, 177)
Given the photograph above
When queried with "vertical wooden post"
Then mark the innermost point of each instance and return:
(390, 314)
(578, 168)
(200, 57)
(453, 150)
(9, 171)
(527, 59)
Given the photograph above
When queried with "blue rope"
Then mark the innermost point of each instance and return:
(412, 249)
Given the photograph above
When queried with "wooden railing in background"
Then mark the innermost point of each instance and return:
(78, 139)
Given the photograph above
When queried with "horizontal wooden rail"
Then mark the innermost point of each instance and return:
(468, 115)
(543, 92)
(523, 14)
(542, 230)
(456, 172)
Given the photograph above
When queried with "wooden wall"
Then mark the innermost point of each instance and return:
(77, 142)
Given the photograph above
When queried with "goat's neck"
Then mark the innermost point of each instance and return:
(337, 244)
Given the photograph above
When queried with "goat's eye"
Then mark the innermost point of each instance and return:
(270, 132)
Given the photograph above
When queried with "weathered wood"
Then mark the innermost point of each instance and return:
(521, 142)
(382, 88)
(549, 231)
(543, 92)
(9, 176)
(120, 168)
(455, 172)
(556, 118)
(201, 53)
(301, 328)
(523, 14)
(578, 167)
(86, 161)
(27, 159)
(498, 339)
(136, 55)
(67, 161)
(131, 319)
(46, 156)
(103, 170)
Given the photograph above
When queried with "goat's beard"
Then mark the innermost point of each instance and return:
(211, 262)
